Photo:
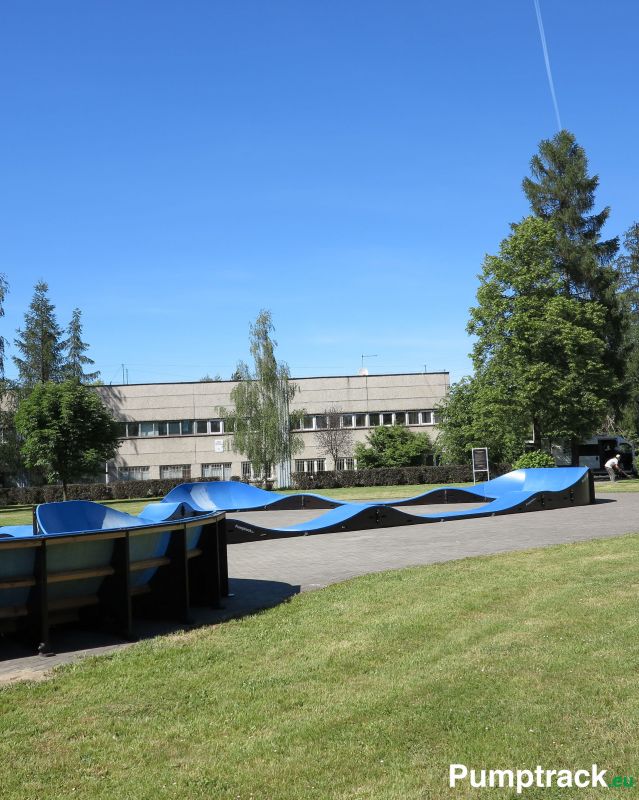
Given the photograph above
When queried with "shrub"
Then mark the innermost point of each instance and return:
(536, 458)
(390, 476)
(98, 492)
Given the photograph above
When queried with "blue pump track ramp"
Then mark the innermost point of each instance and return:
(205, 497)
(519, 491)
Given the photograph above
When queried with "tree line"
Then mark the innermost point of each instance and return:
(556, 323)
(54, 426)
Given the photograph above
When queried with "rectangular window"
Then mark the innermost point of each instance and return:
(347, 420)
(387, 419)
(360, 420)
(310, 465)
(437, 418)
(307, 422)
(216, 425)
(246, 470)
(134, 473)
(176, 471)
(173, 428)
(413, 417)
(148, 429)
(345, 464)
(427, 417)
(220, 471)
(296, 423)
(373, 420)
(161, 428)
(400, 418)
(133, 429)
(321, 423)
(187, 427)
(121, 430)
(201, 426)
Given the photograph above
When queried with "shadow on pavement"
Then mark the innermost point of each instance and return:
(70, 641)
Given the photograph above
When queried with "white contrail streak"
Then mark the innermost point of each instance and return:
(540, 24)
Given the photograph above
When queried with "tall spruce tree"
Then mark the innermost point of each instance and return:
(562, 192)
(40, 342)
(75, 349)
(628, 267)
(4, 288)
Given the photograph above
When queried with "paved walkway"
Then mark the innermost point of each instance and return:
(264, 573)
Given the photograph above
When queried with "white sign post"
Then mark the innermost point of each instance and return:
(480, 462)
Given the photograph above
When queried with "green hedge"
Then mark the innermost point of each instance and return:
(391, 476)
(117, 490)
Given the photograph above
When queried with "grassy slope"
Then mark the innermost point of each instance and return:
(368, 689)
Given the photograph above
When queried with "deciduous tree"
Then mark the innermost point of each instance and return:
(67, 431)
(333, 440)
(394, 446)
(261, 418)
(539, 356)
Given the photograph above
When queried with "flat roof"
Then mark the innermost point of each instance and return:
(293, 378)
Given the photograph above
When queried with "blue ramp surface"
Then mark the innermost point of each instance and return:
(235, 496)
(519, 491)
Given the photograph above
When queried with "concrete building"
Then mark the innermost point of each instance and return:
(174, 430)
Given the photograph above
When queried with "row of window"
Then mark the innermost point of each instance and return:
(222, 472)
(310, 422)
(180, 472)
(176, 427)
(372, 420)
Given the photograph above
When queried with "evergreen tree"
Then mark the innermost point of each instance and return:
(261, 419)
(76, 360)
(562, 192)
(628, 267)
(40, 342)
(4, 288)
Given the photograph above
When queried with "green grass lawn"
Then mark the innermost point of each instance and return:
(368, 689)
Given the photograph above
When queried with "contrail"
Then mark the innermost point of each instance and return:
(547, 60)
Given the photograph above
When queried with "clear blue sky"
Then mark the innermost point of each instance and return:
(171, 168)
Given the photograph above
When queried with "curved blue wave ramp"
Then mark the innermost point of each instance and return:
(236, 496)
(519, 491)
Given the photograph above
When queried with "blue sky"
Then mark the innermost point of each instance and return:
(172, 168)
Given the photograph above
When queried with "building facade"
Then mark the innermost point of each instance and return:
(175, 430)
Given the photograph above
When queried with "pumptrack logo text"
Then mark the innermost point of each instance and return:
(461, 776)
